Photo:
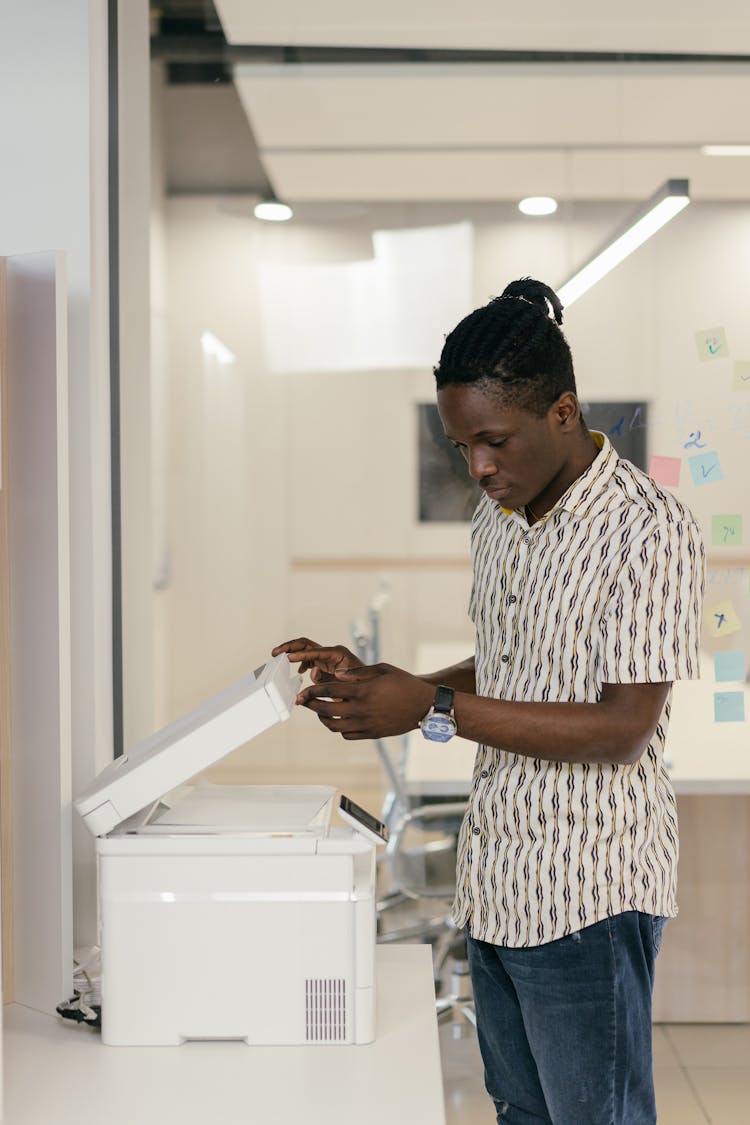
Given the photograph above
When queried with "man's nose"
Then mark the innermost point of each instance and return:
(480, 464)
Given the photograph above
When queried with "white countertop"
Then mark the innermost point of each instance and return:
(703, 756)
(59, 1073)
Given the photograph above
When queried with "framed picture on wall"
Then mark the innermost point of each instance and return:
(625, 424)
(445, 491)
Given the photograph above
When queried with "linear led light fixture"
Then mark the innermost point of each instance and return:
(726, 150)
(663, 205)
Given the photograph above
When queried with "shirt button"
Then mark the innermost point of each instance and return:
(527, 539)
(476, 831)
(505, 658)
(511, 598)
(485, 773)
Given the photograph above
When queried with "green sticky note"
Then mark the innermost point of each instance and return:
(726, 531)
(711, 343)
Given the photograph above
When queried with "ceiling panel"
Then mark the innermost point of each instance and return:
(489, 132)
(682, 26)
(417, 107)
(572, 174)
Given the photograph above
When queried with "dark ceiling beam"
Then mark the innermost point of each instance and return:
(213, 47)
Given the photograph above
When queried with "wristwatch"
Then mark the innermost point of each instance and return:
(439, 725)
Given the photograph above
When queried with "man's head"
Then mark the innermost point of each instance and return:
(513, 347)
(507, 398)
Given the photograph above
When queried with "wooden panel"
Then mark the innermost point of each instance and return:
(703, 973)
(6, 803)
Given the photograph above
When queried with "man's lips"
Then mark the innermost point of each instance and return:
(496, 490)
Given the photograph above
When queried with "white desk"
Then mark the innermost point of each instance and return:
(703, 757)
(58, 1072)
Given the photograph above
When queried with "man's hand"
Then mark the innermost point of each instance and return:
(374, 701)
(322, 663)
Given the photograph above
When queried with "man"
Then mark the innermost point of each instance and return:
(586, 602)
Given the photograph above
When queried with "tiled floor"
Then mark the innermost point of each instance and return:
(702, 1074)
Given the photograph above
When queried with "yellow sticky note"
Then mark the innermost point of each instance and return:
(741, 380)
(722, 619)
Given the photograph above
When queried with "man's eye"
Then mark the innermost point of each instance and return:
(497, 444)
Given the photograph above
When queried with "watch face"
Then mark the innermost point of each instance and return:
(438, 728)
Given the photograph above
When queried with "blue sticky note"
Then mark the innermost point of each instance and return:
(705, 468)
(729, 665)
(729, 706)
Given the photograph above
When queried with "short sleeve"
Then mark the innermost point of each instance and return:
(651, 630)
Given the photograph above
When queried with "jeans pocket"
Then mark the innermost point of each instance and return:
(658, 924)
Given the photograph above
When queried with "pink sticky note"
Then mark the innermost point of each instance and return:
(665, 470)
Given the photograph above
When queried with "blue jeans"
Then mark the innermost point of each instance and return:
(565, 1028)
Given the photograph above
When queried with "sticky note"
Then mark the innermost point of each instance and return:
(712, 343)
(665, 470)
(705, 468)
(729, 665)
(741, 375)
(726, 531)
(729, 706)
(722, 619)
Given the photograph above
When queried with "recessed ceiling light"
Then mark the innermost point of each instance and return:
(538, 205)
(726, 150)
(272, 211)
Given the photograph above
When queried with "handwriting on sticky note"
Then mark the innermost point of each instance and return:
(665, 470)
(705, 468)
(712, 343)
(722, 619)
(726, 531)
(729, 665)
(741, 375)
(729, 706)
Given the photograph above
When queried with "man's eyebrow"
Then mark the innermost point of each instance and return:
(496, 433)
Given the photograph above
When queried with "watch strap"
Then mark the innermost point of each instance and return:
(443, 703)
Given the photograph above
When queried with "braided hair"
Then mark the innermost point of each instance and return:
(512, 346)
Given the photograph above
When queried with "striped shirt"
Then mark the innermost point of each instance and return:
(607, 588)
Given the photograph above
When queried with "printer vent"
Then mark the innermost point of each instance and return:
(325, 1010)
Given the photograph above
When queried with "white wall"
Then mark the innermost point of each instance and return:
(53, 196)
(290, 497)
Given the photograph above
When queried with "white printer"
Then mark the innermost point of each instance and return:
(229, 912)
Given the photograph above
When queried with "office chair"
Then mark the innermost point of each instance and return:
(420, 858)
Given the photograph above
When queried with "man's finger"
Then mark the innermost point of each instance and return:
(299, 644)
(330, 690)
(314, 655)
(358, 675)
(333, 708)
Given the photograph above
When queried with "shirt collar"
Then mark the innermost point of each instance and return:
(580, 498)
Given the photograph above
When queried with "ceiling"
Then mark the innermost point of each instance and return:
(429, 100)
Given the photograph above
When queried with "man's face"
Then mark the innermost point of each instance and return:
(514, 455)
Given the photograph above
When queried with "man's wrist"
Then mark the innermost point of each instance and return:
(439, 724)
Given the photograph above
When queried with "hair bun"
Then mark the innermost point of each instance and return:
(537, 293)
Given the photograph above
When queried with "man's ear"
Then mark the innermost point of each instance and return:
(566, 412)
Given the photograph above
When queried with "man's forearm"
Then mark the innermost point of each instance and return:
(616, 729)
(460, 677)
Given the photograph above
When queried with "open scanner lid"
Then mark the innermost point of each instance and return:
(189, 745)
